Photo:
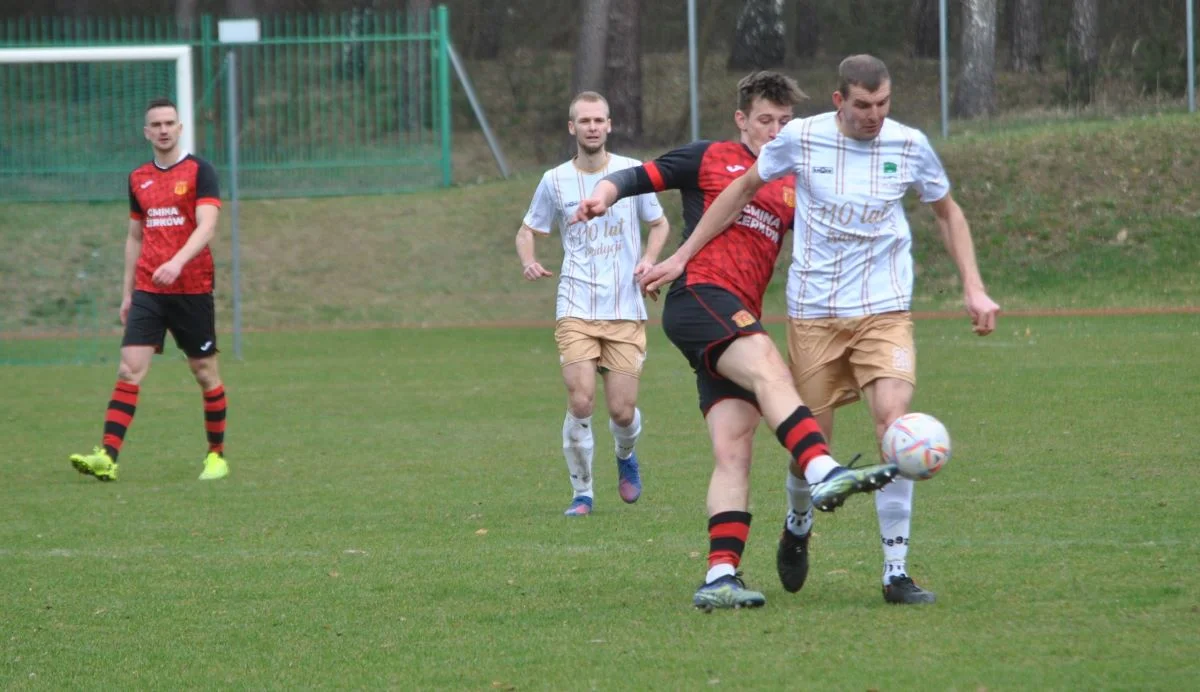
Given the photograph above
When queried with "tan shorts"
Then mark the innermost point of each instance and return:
(617, 345)
(832, 358)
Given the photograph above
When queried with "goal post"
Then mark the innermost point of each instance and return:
(180, 54)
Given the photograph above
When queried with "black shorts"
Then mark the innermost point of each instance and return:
(190, 318)
(702, 321)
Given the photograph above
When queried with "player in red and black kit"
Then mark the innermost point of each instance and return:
(167, 286)
(712, 314)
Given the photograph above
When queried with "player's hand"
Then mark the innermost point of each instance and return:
(661, 274)
(983, 311)
(534, 271)
(589, 209)
(167, 273)
(126, 303)
(641, 268)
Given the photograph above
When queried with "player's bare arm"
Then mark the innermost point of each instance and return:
(133, 249)
(604, 195)
(656, 240)
(206, 228)
(719, 216)
(530, 267)
(956, 235)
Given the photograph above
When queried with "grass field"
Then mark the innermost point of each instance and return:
(393, 520)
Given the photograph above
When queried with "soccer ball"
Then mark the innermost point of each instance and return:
(918, 444)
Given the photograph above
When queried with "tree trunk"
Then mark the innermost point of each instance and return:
(185, 17)
(1083, 58)
(485, 39)
(587, 74)
(1026, 47)
(759, 42)
(926, 36)
(624, 68)
(240, 9)
(590, 51)
(806, 29)
(975, 94)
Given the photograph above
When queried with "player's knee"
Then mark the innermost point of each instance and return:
(622, 414)
(895, 510)
(206, 373)
(132, 372)
(580, 403)
(883, 419)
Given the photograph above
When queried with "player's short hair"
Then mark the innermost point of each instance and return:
(588, 96)
(161, 103)
(862, 70)
(775, 87)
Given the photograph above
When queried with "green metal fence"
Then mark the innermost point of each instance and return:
(353, 103)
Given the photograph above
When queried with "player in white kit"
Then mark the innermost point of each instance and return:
(849, 287)
(600, 315)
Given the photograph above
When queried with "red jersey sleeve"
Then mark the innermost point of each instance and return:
(135, 210)
(678, 169)
(207, 189)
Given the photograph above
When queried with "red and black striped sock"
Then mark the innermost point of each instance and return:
(119, 417)
(214, 419)
(802, 437)
(727, 533)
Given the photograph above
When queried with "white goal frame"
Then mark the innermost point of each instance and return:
(181, 54)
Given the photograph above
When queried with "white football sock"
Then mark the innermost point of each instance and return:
(721, 569)
(800, 507)
(818, 468)
(893, 504)
(626, 438)
(577, 448)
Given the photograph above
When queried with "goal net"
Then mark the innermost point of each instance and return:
(69, 135)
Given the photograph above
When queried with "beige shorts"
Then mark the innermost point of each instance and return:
(616, 345)
(832, 358)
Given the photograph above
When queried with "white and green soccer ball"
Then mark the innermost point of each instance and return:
(918, 444)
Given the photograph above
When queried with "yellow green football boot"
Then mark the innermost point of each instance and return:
(214, 467)
(97, 464)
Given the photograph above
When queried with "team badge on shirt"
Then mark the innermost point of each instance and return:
(181, 188)
(743, 319)
(789, 196)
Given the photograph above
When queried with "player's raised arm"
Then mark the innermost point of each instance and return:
(719, 216)
(674, 170)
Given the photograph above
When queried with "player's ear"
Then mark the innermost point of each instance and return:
(608, 128)
(837, 99)
(571, 126)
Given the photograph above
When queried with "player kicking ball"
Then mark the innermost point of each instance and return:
(712, 315)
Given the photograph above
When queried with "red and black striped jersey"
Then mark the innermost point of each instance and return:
(165, 201)
(742, 257)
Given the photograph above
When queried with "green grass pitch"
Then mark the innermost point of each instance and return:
(393, 520)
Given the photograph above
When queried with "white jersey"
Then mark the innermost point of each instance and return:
(596, 280)
(852, 247)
